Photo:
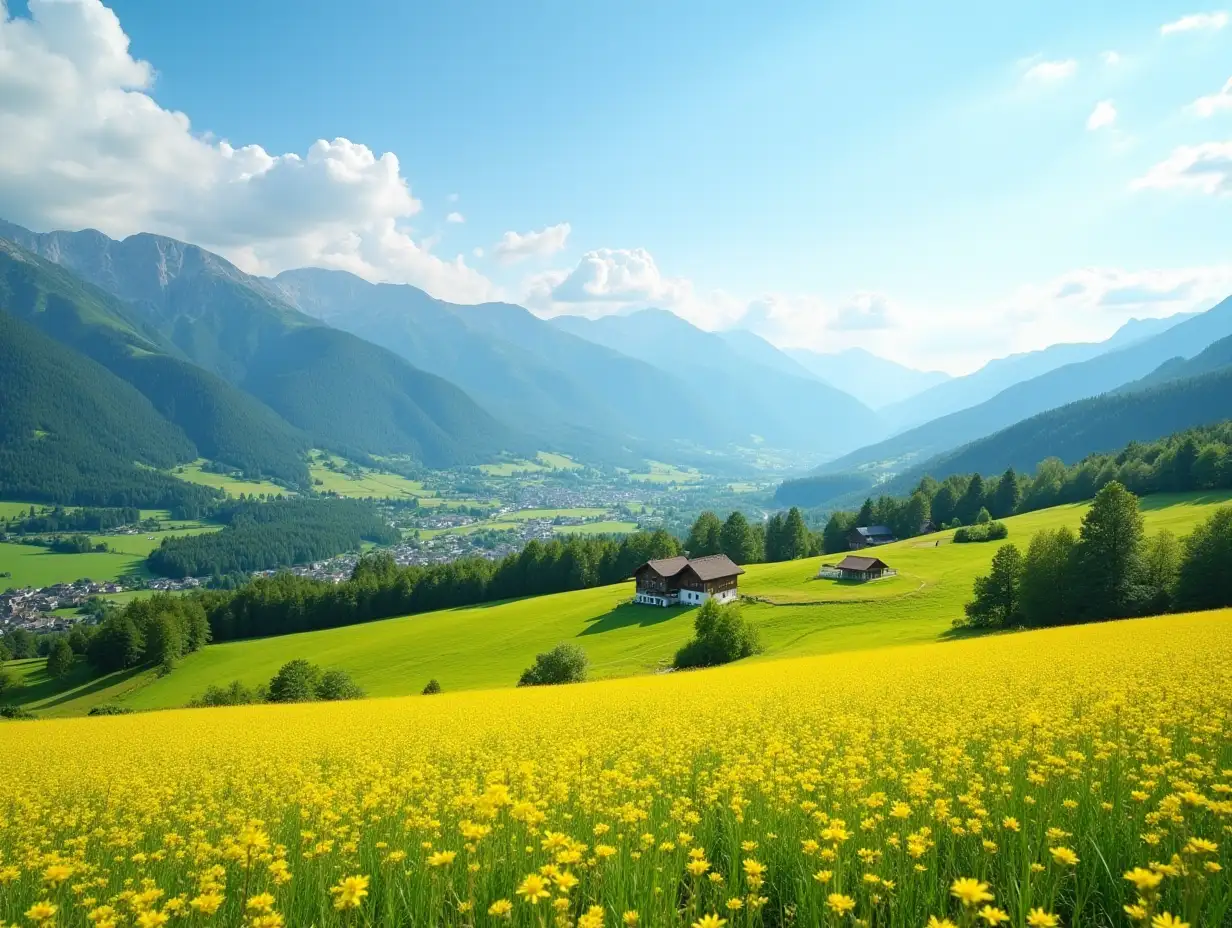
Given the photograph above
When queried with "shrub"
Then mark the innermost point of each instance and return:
(296, 681)
(60, 658)
(236, 694)
(984, 531)
(565, 663)
(336, 685)
(432, 688)
(16, 713)
(110, 710)
(721, 635)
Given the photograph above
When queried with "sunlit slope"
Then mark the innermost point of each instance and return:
(1044, 765)
(489, 646)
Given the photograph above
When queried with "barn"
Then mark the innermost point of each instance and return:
(855, 567)
(673, 580)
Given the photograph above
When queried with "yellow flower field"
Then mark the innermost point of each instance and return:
(1079, 776)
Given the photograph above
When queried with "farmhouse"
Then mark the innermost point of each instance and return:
(855, 567)
(673, 580)
(868, 536)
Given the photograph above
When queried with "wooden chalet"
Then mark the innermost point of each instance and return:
(869, 536)
(674, 580)
(855, 567)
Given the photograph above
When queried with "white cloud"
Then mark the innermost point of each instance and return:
(1103, 116)
(455, 217)
(518, 246)
(85, 144)
(1111, 58)
(1214, 103)
(1050, 72)
(1196, 22)
(477, 252)
(1206, 168)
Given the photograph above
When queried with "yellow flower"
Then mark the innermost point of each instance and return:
(935, 922)
(630, 919)
(534, 888)
(349, 893)
(501, 908)
(591, 918)
(823, 876)
(152, 919)
(697, 867)
(1038, 918)
(1135, 912)
(970, 892)
(1201, 846)
(993, 916)
(710, 921)
(734, 904)
(262, 903)
(1146, 881)
(42, 911)
(1009, 823)
(840, 904)
(1167, 920)
(57, 873)
(207, 903)
(441, 858)
(566, 881)
(1064, 856)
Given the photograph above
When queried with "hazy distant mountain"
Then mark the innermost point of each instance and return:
(574, 395)
(342, 392)
(1100, 374)
(972, 389)
(765, 403)
(875, 381)
(754, 348)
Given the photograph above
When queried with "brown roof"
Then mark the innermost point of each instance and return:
(715, 567)
(854, 562)
(668, 566)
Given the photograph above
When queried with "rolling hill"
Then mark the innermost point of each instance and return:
(568, 392)
(764, 404)
(1105, 372)
(488, 646)
(341, 392)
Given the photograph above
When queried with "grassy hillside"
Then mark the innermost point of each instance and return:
(232, 486)
(488, 646)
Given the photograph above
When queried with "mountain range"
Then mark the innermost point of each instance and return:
(195, 358)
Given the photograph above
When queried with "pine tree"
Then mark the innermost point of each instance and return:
(737, 539)
(996, 596)
(796, 539)
(972, 500)
(1007, 497)
(1109, 554)
(864, 517)
(706, 536)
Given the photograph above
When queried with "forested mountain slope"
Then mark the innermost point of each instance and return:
(342, 392)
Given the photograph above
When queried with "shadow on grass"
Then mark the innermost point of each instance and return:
(43, 691)
(962, 632)
(1167, 500)
(631, 614)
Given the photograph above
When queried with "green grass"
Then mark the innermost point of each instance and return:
(544, 461)
(21, 510)
(525, 515)
(369, 484)
(667, 474)
(31, 566)
(608, 527)
(507, 520)
(232, 486)
(488, 646)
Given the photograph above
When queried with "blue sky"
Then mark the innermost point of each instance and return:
(918, 179)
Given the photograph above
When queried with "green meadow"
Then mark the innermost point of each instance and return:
(232, 486)
(488, 646)
(368, 484)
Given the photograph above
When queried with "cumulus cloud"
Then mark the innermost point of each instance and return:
(86, 144)
(518, 246)
(1206, 168)
(1103, 116)
(1050, 72)
(1214, 103)
(455, 217)
(1111, 58)
(1196, 22)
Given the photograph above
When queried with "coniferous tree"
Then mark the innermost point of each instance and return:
(1204, 580)
(706, 536)
(1045, 591)
(865, 516)
(737, 540)
(996, 595)
(1108, 555)
(972, 500)
(60, 659)
(796, 539)
(1007, 496)
(774, 537)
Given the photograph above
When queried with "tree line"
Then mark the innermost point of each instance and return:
(1195, 459)
(272, 534)
(60, 519)
(379, 588)
(784, 537)
(1109, 570)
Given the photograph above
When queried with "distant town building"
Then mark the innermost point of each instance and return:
(855, 567)
(674, 580)
(869, 536)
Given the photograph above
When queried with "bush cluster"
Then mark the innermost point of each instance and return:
(296, 681)
(720, 635)
(565, 663)
(981, 531)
